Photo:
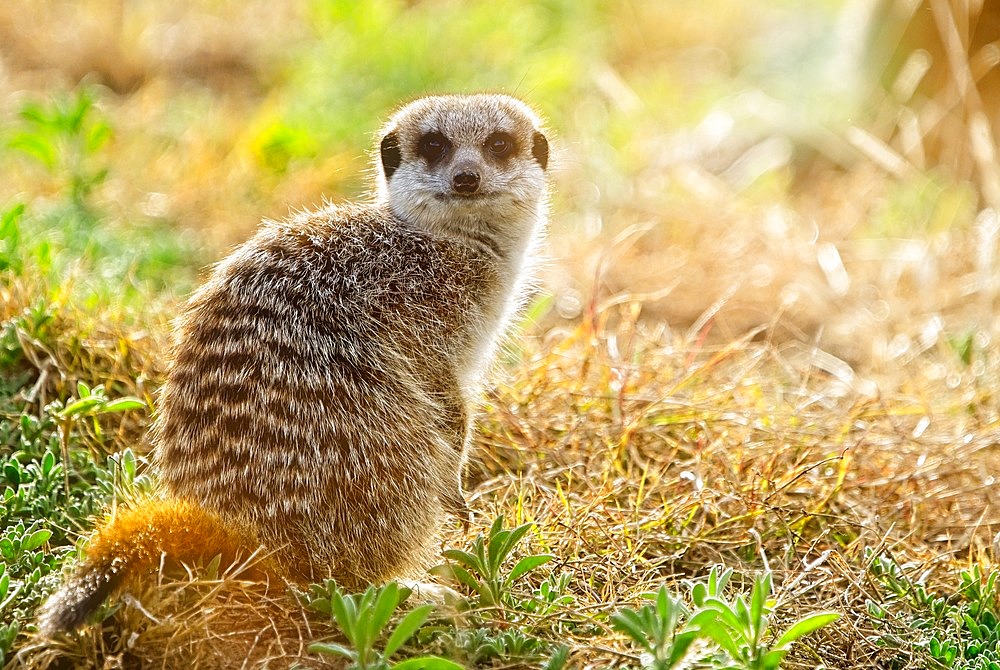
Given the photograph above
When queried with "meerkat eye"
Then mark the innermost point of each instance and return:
(500, 144)
(433, 146)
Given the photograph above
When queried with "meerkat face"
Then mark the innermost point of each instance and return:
(454, 162)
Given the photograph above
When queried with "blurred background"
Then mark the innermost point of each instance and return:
(825, 170)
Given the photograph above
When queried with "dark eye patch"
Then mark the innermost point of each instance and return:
(433, 146)
(500, 144)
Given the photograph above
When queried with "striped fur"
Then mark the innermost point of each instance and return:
(321, 389)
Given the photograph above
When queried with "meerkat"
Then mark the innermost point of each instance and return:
(319, 400)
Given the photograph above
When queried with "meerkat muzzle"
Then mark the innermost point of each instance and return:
(466, 182)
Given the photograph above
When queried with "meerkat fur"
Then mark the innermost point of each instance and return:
(320, 394)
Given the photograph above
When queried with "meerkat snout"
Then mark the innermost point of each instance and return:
(466, 181)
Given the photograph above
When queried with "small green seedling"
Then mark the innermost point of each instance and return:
(90, 403)
(654, 628)
(740, 628)
(364, 620)
(482, 569)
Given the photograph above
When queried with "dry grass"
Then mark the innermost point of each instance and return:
(644, 458)
(194, 622)
(763, 373)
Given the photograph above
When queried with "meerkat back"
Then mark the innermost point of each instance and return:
(321, 390)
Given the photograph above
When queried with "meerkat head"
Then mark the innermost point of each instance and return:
(467, 166)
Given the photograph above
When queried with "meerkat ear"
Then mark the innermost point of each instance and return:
(540, 149)
(391, 155)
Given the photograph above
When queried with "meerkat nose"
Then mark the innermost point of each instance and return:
(466, 182)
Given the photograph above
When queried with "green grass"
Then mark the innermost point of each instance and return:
(697, 385)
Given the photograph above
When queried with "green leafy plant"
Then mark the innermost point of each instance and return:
(713, 587)
(482, 570)
(654, 628)
(486, 644)
(552, 595)
(739, 629)
(957, 631)
(364, 620)
(44, 508)
(28, 568)
(65, 134)
(70, 232)
(91, 403)
(11, 258)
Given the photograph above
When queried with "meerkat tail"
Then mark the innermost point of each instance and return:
(137, 541)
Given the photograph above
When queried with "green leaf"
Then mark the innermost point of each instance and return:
(321, 605)
(48, 462)
(698, 594)
(529, 563)
(629, 622)
(758, 598)
(80, 407)
(742, 612)
(359, 608)
(972, 626)
(496, 551)
(74, 116)
(510, 541)
(331, 649)
(664, 604)
(679, 648)
(717, 581)
(343, 611)
(406, 628)
(465, 558)
(122, 405)
(428, 663)
(705, 623)
(496, 526)
(459, 573)
(127, 461)
(724, 613)
(36, 539)
(34, 113)
(804, 627)
(558, 659)
(12, 471)
(382, 609)
(772, 659)
(36, 147)
(8, 222)
(97, 136)
(212, 569)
